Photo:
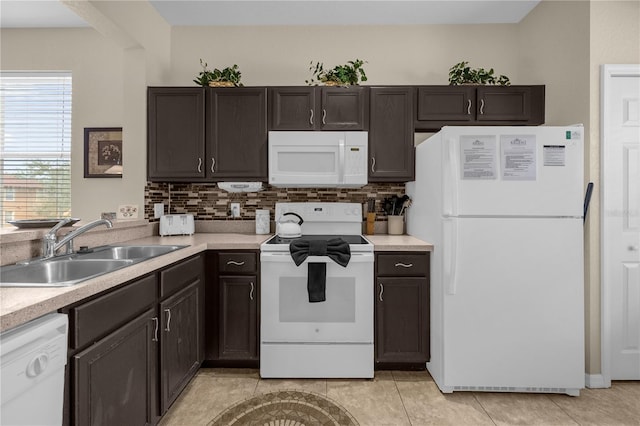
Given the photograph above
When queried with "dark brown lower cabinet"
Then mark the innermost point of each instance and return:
(181, 342)
(132, 350)
(232, 315)
(116, 378)
(238, 334)
(402, 310)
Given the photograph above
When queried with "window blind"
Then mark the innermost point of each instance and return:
(35, 144)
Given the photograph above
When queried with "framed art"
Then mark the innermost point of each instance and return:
(103, 153)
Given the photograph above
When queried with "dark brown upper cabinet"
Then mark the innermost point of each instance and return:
(391, 145)
(175, 133)
(318, 108)
(439, 106)
(197, 134)
(236, 132)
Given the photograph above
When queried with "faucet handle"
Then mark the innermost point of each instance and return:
(57, 226)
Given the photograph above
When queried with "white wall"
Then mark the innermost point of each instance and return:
(97, 69)
(394, 54)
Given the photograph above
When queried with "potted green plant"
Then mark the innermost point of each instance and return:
(462, 73)
(340, 75)
(228, 77)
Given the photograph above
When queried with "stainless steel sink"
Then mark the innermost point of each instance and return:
(57, 273)
(68, 270)
(127, 252)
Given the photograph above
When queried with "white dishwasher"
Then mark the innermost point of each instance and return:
(32, 361)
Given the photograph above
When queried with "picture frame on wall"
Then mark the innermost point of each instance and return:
(103, 154)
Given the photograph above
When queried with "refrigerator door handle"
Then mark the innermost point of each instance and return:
(450, 179)
(450, 255)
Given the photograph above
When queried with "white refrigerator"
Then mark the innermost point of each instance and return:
(503, 207)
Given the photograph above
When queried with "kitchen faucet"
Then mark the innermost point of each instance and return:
(50, 243)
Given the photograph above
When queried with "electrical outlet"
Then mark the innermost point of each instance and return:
(235, 209)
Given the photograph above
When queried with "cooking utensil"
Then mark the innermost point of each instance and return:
(287, 228)
(405, 205)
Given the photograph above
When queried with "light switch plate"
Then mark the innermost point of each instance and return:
(158, 210)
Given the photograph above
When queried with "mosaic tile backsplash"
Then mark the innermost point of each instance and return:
(208, 202)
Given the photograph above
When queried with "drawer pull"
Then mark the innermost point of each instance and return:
(199, 164)
(324, 116)
(251, 292)
(469, 107)
(404, 265)
(311, 117)
(233, 262)
(155, 332)
(481, 106)
(381, 292)
(168, 312)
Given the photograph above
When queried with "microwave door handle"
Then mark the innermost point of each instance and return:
(341, 154)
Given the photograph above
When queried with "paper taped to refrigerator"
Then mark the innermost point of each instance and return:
(518, 157)
(553, 155)
(478, 157)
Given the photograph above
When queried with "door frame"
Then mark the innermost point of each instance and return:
(608, 73)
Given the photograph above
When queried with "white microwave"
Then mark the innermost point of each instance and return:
(324, 159)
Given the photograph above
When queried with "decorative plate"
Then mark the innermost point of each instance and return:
(39, 223)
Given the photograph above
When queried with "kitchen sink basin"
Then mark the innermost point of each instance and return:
(68, 270)
(57, 273)
(127, 252)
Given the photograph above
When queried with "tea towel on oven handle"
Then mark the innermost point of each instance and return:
(336, 249)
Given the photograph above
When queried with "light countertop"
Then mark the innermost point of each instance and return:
(19, 305)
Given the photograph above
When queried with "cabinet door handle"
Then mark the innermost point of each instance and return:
(469, 107)
(481, 106)
(155, 332)
(213, 163)
(381, 293)
(251, 292)
(373, 164)
(199, 164)
(404, 265)
(168, 327)
(311, 117)
(324, 115)
(233, 262)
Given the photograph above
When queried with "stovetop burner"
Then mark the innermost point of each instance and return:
(350, 239)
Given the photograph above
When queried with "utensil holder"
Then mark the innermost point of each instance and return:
(395, 225)
(371, 223)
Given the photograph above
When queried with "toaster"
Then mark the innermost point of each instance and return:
(177, 224)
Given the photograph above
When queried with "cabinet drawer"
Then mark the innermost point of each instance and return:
(94, 319)
(402, 264)
(180, 275)
(235, 262)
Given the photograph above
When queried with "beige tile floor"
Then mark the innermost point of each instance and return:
(411, 398)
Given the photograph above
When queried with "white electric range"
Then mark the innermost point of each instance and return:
(328, 339)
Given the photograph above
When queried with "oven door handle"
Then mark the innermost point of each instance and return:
(286, 257)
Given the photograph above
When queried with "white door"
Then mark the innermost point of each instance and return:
(621, 220)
